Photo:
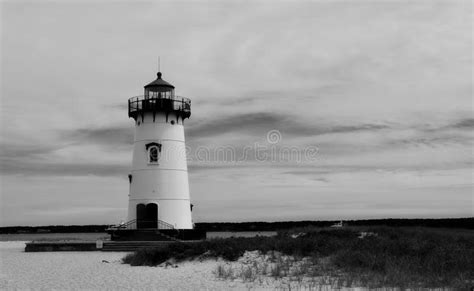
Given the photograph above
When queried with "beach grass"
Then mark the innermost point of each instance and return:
(362, 256)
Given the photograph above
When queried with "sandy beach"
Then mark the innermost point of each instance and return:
(87, 270)
(105, 271)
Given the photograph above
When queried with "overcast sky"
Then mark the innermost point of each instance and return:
(383, 90)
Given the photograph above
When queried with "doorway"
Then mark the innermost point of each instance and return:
(147, 215)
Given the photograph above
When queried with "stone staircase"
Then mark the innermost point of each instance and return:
(131, 246)
(142, 235)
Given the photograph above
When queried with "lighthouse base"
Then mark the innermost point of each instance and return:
(156, 235)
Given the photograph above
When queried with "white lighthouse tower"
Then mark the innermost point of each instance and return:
(159, 189)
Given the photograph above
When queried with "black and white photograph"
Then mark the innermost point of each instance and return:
(236, 145)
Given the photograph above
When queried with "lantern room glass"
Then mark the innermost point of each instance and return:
(159, 93)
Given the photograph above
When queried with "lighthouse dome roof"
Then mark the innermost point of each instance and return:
(159, 84)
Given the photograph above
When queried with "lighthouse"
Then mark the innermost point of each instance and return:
(159, 188)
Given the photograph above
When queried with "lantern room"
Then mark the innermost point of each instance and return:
(159, 97)
(159, 89)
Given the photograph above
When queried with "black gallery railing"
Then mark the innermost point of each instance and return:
(140, 104)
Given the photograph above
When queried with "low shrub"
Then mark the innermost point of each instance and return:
(386, 257)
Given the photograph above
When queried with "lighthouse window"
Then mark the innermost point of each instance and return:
(153, 150)
(153, 154)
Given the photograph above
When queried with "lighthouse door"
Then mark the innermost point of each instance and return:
(151, 215)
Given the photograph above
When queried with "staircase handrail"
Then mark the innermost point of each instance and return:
(132, 224)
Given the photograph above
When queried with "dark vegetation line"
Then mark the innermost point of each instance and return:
(466, 223)
(384, 257)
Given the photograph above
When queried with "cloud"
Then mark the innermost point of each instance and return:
(26, 149)
(46, 168)
(261, 122)
(247, 123)
(333, 141)
(106, 136)
(467, 124)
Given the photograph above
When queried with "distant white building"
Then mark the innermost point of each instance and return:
(338, 224)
